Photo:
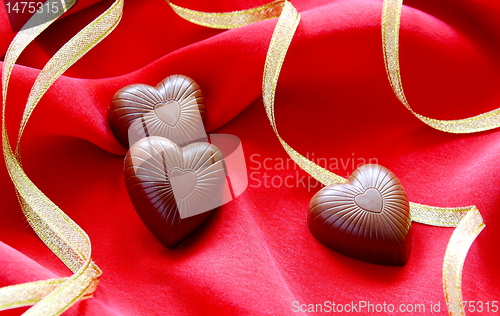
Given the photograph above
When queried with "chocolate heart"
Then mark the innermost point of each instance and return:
(368, 218)
(174, 110)
(174, 189)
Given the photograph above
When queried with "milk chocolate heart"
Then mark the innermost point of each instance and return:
(174, 189)
(174, 109)
(368, 218)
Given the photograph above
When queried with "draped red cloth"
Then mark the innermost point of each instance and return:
(255, 255)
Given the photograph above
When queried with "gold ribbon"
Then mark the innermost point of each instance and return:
(230, 20)
(391, 19)
(63, 236)
(71, 243)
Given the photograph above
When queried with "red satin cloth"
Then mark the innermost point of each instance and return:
(256, 256)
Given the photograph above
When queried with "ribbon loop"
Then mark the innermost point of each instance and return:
(391, 20)
(63, 236)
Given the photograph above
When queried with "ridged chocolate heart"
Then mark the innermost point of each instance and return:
(174, 189)
(368, 218)
(173, 109)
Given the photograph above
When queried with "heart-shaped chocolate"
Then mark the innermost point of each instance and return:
(368, 218)
(174, 109)
(174, 189)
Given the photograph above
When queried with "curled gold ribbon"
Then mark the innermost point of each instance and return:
(456, 251)
(230, 20)
(63, 236)
(391, 20)
(468, 220)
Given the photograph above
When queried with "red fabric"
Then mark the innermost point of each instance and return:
(256, 256)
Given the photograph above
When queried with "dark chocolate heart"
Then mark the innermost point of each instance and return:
(174, 109)
(174, 189)
(368, 218)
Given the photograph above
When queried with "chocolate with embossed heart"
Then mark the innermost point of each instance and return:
(173, 109)
(367, 218)
(175, 189)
